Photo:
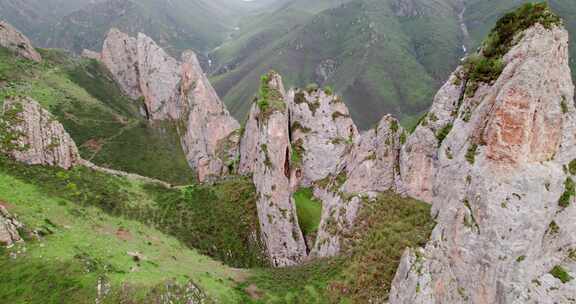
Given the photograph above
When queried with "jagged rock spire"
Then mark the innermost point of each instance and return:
(178, 92)
(500, 181)
(267, 155)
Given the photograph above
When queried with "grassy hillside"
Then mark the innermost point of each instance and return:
(218, 220)
(380, 59)
(34, 17)
(104, 123)
(176, 25)
(86, 243)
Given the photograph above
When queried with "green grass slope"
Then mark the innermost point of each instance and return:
(103, 122)
(218, 220)
(381, 59)
(309, 211)
(82, 246)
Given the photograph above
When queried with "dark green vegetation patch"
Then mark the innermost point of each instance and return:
(309, 211)
(569, 193)
(561, 274)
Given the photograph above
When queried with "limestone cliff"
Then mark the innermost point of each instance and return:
(15, 41)
(270, 166)
(497, 163)
(177, 91)
(31, 135)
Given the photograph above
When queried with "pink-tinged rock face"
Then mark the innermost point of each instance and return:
(179, 92)
(501, 188)
(522, 129)
(15, 41)
(38, 139)
(8, 228)
(212, 135)
(120, 56)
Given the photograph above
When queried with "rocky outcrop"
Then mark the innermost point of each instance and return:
(317, 145)
(417, 160)
(159, 77)
(249, 142)
(33, 136)
(88, 54)
(15, 41)
(501, 185)
(176, 91)
(322, 133)
(144, 72)
(9, 227)
(370, 168)
(212, 136)
(120, 56)
(271, 153)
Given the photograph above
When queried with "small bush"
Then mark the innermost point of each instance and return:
(569, 193)
(564, 105)
(561, 274)
(442, 133)
(471, 153)
(572, 167)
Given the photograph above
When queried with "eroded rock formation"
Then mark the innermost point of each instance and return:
(501, 184)
(15, 41)
(176, 91)
(370, 168)
(212, 136)
(270, 166)
(31, 135)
